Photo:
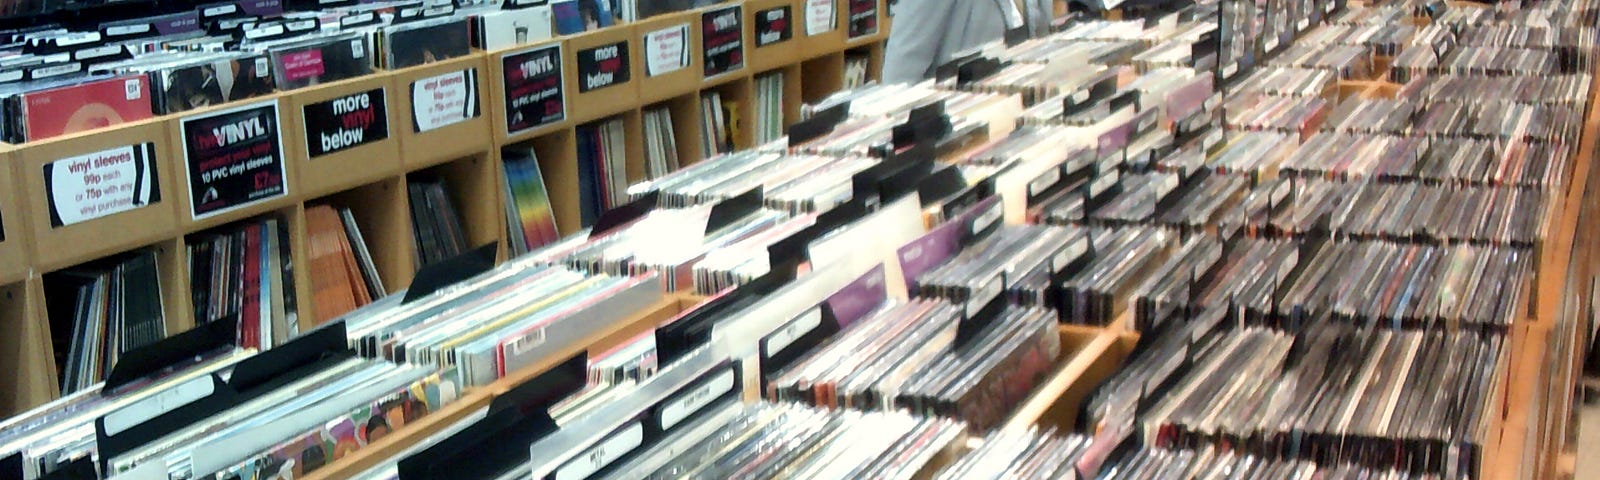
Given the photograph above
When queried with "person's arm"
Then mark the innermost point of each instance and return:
(920, 28)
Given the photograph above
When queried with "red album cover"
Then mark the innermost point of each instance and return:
(86, 106)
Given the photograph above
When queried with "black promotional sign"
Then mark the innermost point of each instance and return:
(863, 18)
(233, 158)
(533, 88)
(603, 66)
(773, 26)
(346, 122)
(722, 36)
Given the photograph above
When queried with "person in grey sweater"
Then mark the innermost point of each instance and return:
(928, 33)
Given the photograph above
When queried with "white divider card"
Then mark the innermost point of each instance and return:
(603, 453)
(666, 50)
(534, 95)
(100, 184)
(696, 397)
(786, 335)
(603, 66)
(821, 16)
(722, 40)
(863, 18)
(773, 26)
(233, 158)
(346, 122)
(444, 100)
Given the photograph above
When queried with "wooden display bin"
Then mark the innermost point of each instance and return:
(504, 63)
(829, 38)
(676, 82)
(380, 211)
(14, 254)
(25, 348)
(57, 247)
(475, 402)
(760, 57)
(185, 168)
(685, 113)
(586, 106)
(742, 126)
(322, 106)
(822, 76)
(1089, 356)
(557, 154)
(475, 187)
(435, 139)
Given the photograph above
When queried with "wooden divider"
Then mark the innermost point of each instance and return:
(25, 347)
(14, 253)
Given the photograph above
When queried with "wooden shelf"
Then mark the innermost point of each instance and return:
(781, 52)
(655, 88)
(583, 107)
(25, 348)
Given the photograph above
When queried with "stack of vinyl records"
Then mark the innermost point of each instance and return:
(1123, 258)
(1421, 400)
(1302, 116)
(344, 276)
(1028, 454)
(434, 221)
(1201, 201)
(673, 242)
(1021, 263)
(1371, 116)
(769, 108)
(602, 168)
(1367, 283)
(1363, 157)
(746, 259)
(1210, 462)
(530, 217)
(786, 441)
(281, 418)
(1288, 81)
(929, 357)
(1252, 153)
(795, 183)
(717, 119)
(855, 70)
(61, 434)
(661, 144)
(112, 310)
(1349, 62)
(242, 274)
(501, 321)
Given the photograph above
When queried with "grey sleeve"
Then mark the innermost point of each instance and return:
(920, 28)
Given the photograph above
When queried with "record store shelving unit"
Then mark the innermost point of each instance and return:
(371, 179)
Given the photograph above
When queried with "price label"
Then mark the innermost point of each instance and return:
(773, 26)
(101, 184)
(1044, 181)
(1069, 254)
(345, 122)
(863, 18)
(987, 219)
(821, 16)
(666, 50)
(722, 40)
(603, 66)
(233, 158)
(444, 100)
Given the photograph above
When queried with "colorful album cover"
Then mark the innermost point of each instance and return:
(409, 46)
(79, 107)
(536, 218)
(189, 87)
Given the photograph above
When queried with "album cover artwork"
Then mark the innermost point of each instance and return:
(197, 85)
(321, 60)
(77, 107)
(410, 46)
